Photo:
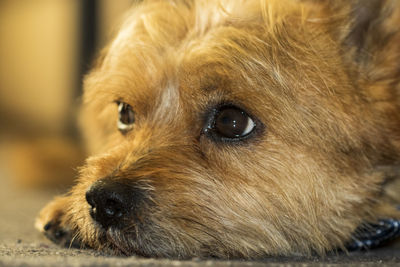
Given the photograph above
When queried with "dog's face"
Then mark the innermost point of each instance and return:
(238, 131)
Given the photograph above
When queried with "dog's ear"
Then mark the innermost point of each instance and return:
(371, 44)
(371, 34)
(364, 26)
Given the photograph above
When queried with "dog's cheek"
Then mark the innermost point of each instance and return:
(294, 199)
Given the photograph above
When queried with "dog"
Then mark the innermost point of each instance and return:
(238, 129)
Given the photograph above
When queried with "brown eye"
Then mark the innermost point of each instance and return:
(233, 123)
(126, 117)
(229, 124)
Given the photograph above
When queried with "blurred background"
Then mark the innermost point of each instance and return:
(46, 47)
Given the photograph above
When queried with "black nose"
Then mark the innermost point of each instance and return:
(110, 202)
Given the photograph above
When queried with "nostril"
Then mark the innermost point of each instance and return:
(109, 211)
(90, 197)
(113, 208)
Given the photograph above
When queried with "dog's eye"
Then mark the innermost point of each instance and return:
(233, 123)
(230, 124)
(126, 117)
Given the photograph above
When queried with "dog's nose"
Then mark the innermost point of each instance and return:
(110, 202)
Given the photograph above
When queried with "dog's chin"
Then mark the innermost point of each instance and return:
(112, 242)
(131, 241)
(120, 244)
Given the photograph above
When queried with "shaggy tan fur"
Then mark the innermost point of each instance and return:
(321, 77)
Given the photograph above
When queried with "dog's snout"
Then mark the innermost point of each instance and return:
(110, 201)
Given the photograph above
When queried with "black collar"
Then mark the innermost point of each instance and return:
(372, 235)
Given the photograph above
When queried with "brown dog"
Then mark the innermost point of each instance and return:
(238, 129)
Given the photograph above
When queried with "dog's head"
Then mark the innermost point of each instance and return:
(238, 128)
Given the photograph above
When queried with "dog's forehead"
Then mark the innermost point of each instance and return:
(159, 28)
(165, 49)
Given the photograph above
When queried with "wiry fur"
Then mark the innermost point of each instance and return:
(321, 76)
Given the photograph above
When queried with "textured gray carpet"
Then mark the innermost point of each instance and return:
(22, 245)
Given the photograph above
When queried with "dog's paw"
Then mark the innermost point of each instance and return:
(60, 235)
(51, 223)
